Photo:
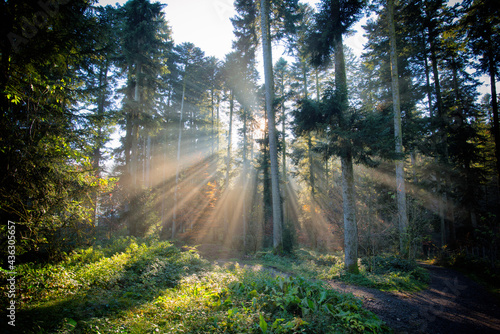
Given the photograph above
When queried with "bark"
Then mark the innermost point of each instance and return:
(348, 190)
(283, 131)
(304, 79)
(177, 172)
(273, 151)
(103, 77)
(245, 183)
(212, 107)
(311, 168)
(228, 156)
(494, 107)
(218, 123)
(398, 134)
(229, 137)
(148, 162)
(349, 206)
(443, 203)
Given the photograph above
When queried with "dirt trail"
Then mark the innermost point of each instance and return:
(452, 303)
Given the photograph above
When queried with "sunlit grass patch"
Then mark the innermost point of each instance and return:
(381, 272)
(144, 286)
(100, 283)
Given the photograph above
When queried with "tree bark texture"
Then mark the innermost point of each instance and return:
(273, 150)
(398, 133)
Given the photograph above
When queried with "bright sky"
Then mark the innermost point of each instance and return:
(206, 24)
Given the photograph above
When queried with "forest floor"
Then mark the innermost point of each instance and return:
(452, 303)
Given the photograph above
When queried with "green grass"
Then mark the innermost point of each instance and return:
(146, 286)
(387, 273)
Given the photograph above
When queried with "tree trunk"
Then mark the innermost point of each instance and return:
(494, 108)
(273, 151)
(348, 190)
(212, 107)
(135, 128)
(285, 178)
(398, 134)
(178, 169)
(349, 206)
(443, 203)
(245, 183)
(304, 79)
(148, 157)
(103, 77)
(229, 137)
(228, 158)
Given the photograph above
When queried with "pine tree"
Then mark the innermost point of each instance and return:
(141, 40)
(482, 24)
(398, 132)
(333, 20)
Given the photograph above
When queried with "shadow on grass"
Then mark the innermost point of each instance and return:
(140, 281)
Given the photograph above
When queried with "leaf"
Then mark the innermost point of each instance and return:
(72, 323)
(322, 297)
(262, 324)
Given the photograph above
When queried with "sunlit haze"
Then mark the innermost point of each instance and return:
(207, 24)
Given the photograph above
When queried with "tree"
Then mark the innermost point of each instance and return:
(192, 61)
(47, 181)
(141, 46)
(285, 15)
(482, 24)
(333, 20)
(398, 132)
(273, 147)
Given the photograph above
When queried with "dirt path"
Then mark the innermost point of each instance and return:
(452, 303)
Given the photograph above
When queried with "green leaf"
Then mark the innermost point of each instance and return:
(262, 324)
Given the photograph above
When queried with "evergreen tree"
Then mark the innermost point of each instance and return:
(398, 131)
(285, 17)
(47, 179)
(333, 20)
(481, 22)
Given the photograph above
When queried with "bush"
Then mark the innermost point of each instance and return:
(385, 264)
(293, 304)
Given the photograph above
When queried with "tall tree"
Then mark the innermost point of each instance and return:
(271, 124)
(398, 131)
(333, 20)
(283, 23)
(46, 179)
(142, 24)
(482, 24)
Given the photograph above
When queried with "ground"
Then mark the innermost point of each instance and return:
(452, 303)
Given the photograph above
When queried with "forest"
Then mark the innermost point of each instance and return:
(147, 187)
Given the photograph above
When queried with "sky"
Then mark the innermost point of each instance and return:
(206, 24)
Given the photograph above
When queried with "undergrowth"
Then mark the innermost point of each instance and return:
(146, 286)
(388, 273)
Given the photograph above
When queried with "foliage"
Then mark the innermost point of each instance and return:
(100, 281)
(288, 304)
(381, 272)
(131, 285)
(478, 258)
(47, 178)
